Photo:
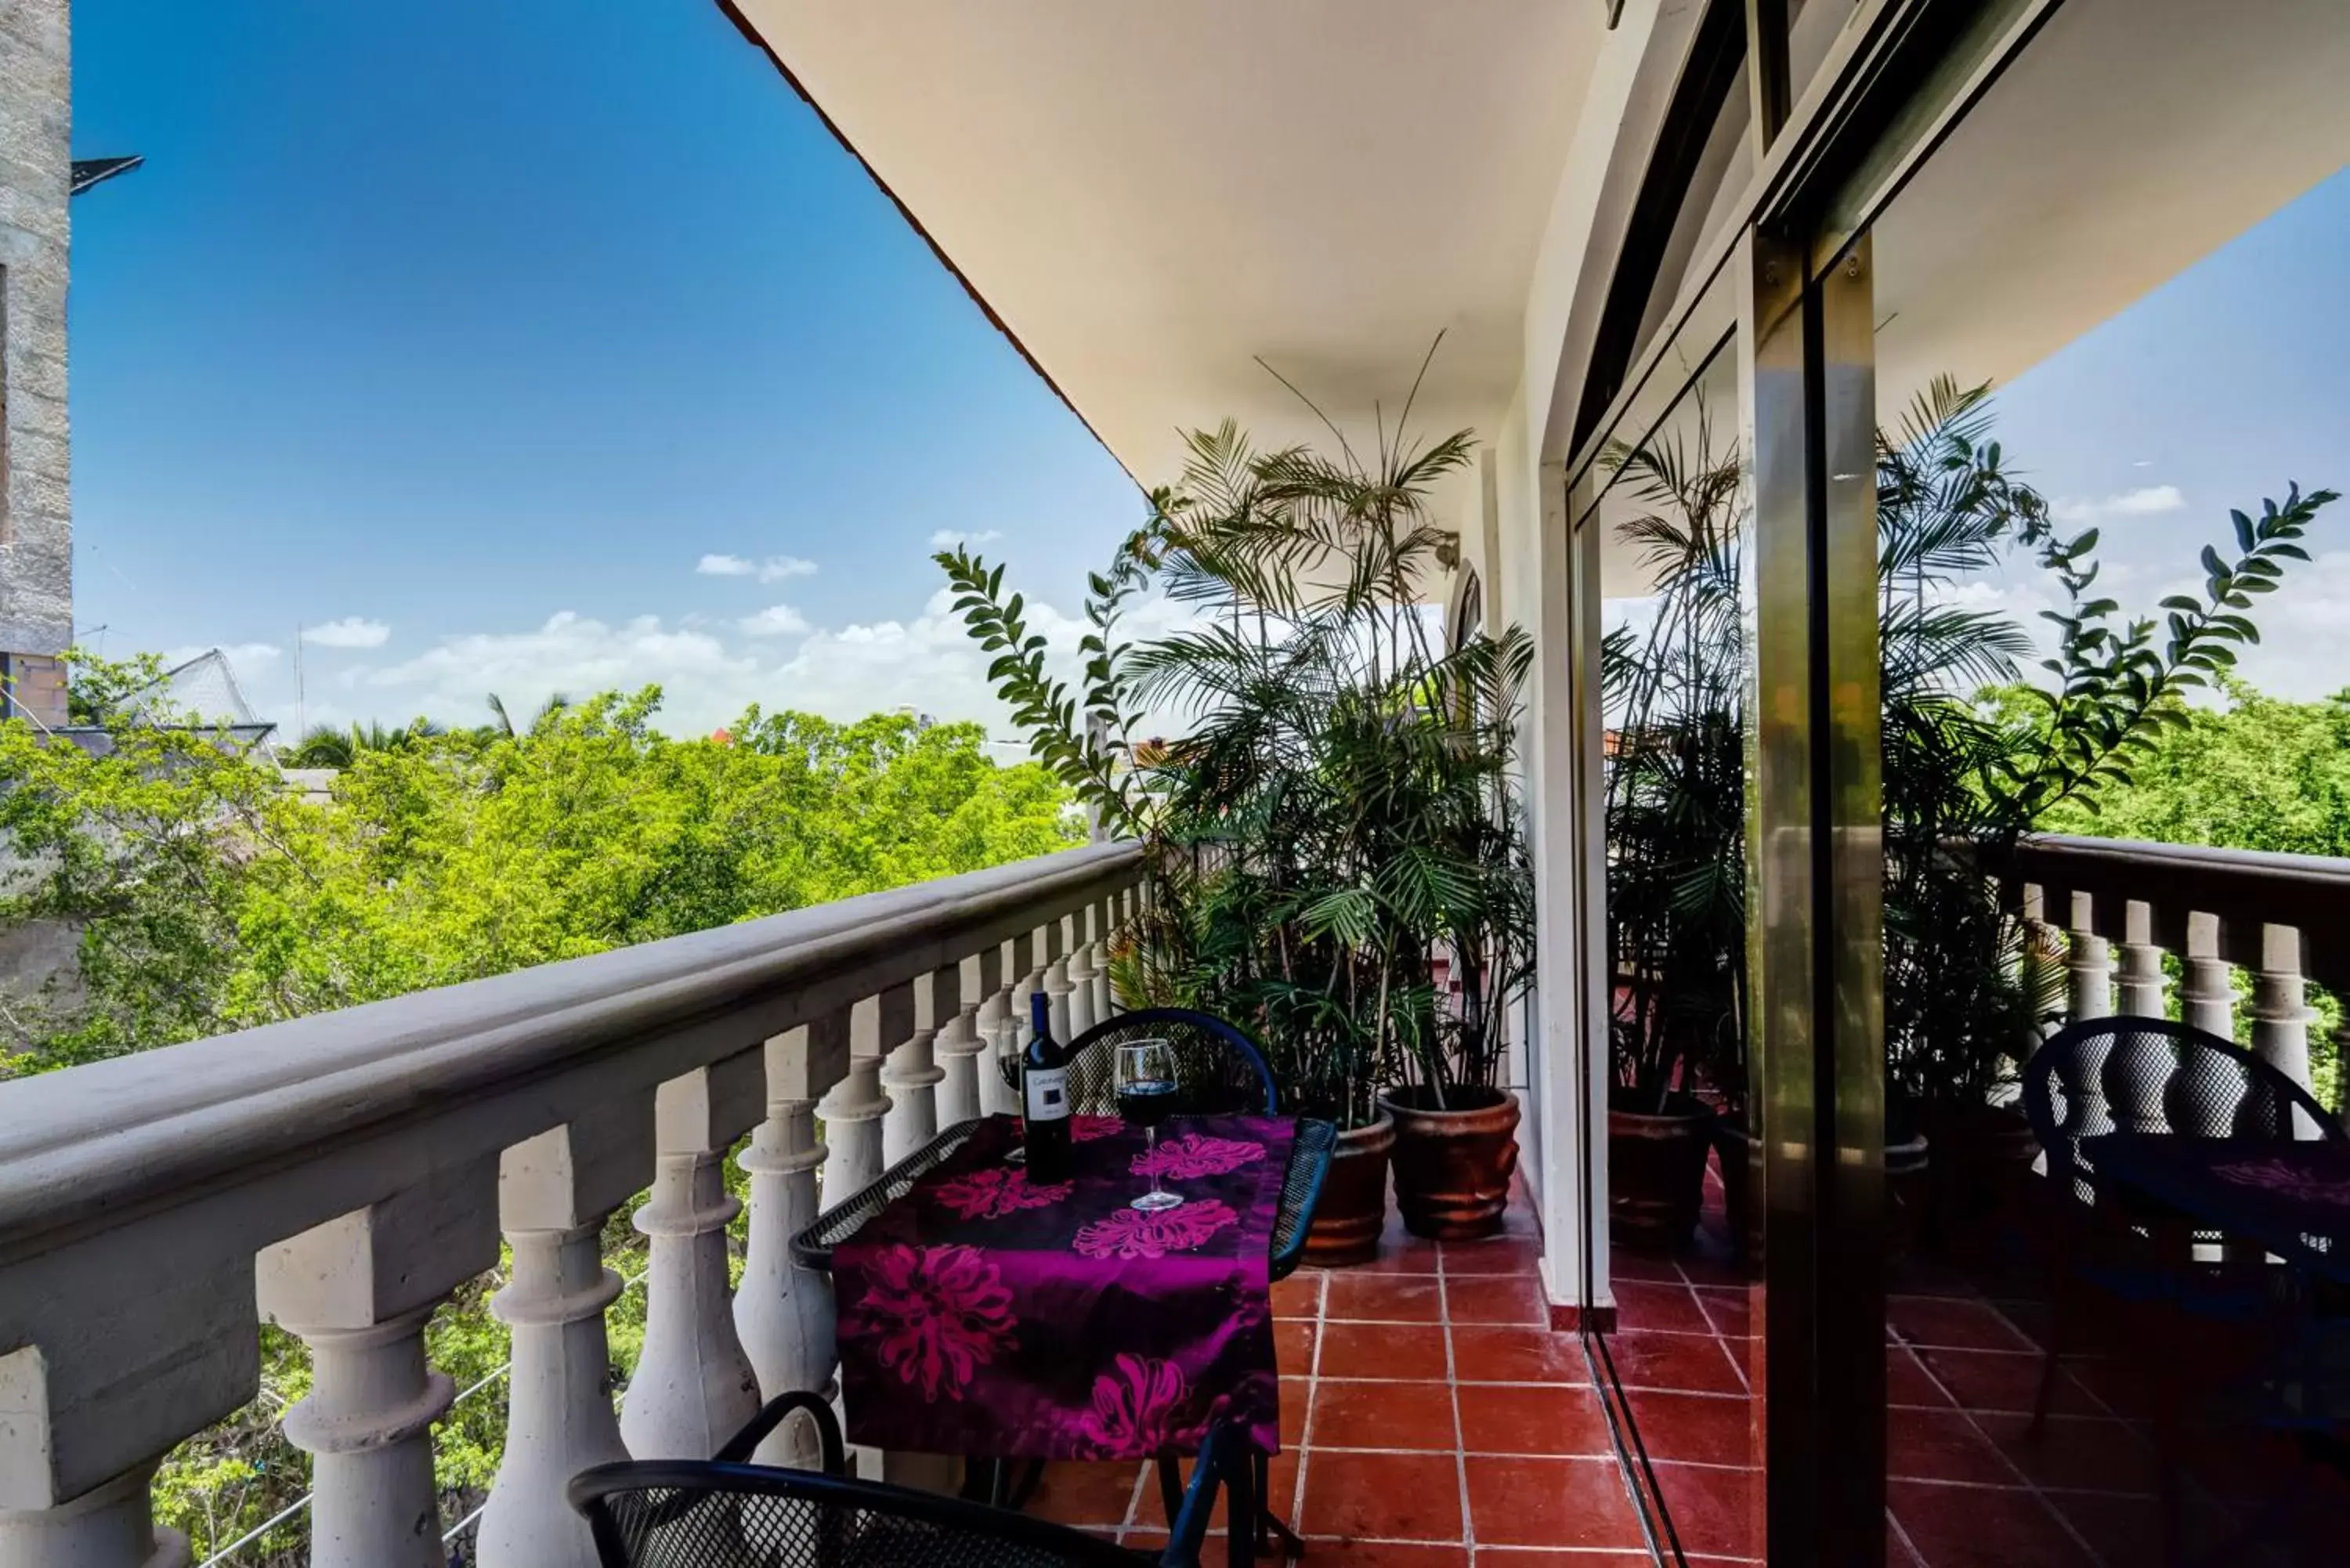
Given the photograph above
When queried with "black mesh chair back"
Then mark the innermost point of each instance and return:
(724, 1513)
(2152, 1075)
(1218, 1069)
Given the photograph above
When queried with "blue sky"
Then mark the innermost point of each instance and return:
(455, 317)
(466, 331)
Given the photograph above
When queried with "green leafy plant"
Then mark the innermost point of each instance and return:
(1339, 812)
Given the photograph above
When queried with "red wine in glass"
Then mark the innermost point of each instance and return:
(1146, 1093)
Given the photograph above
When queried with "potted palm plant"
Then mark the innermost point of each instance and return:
(1335, 812)
(1673, 694)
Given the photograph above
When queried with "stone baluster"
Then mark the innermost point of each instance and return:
(784, 1313)
(852, 1111)
(2206, 989)
(963, 1044)
(1105, 923)
(693, 1386)
(911, 1073)
(2281, 1011)
(2142, 984)
(1052, 943)
(2089, 968)
(1083, 955)
(112, 1526)
(554, 1192)
(356, 1291)
(1028, 978)
(1010, 1007)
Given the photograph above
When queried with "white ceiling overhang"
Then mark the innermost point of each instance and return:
(1149, 198)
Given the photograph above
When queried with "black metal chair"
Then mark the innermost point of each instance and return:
(1219, 1070)
(2132, 1075)
(726, 1512)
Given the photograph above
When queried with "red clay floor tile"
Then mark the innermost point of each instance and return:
(1712, 1509)
(1403, 1350)
(1907, 1382)
(1943, 1446)
(1532, 1418)
(1704, 1428)
(1384, 1298)
(2002, 1380)
(1300, 1295)
(1951, 1323)
(1494, 1352)
(1388, 1497)
(1648, 1306)
(1511, 1299)
(2126, 1531)
(1551, 1503)
(1081, 1492)
(1982, 1527)
(1726, 1309)
(1628, 1265)
(1390, 1554)
(1688, 1361)
(1495, 1255)
(1540, 1557)
(1419, 1416)
(1292, 1348)
(2079, 1453)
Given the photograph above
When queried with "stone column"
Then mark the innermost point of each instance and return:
(110, 1527)
(2142, 983)
(852, 1111)
(784, 1312)
(357, 1290)
(554, 1192)
(1083, 956)
(2207, 990)
(963, 1044)
(2281, 1011)
(1105, 925)
(1055, 981)
(2089, 966)
(693, 1386)
(1008, 1004)
(911, 1074)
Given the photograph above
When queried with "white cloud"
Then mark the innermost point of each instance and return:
(2144, 502)
(2153, 498)
(947, 538)
(351, 631)
(775, 620)
(703, 682)
(773, 569)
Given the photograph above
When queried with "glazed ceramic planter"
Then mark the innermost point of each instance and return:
(1656, 1172)
(1452, 1165)
(1353, 1209)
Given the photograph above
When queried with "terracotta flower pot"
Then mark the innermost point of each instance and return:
(1453, 1166)
(1655, 1173)
(1353, 1210)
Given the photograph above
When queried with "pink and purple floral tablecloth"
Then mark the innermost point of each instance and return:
(980, 1313)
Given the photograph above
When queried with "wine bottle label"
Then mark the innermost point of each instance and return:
(1048, 1094)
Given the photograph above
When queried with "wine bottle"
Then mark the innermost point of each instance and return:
(1045, 1082)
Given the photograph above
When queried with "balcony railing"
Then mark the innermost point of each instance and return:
(339, 1175)
(2281, 917)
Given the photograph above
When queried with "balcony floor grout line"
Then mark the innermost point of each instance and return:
(1452, 1388)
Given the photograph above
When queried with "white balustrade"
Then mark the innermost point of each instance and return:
(1106, 922)
(911, 1074)
(342, 1174)
(1010, 1008)
(1080, 970)
(2280, 1010)
(1055, 982)
(554, 1192)
(784, 1313)
(693, 1386)
(356, 1291)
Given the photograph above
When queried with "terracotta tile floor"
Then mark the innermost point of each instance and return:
(1431, 1420)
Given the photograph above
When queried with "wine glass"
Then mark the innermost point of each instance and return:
(1146, 1093)
(1007, 1064)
